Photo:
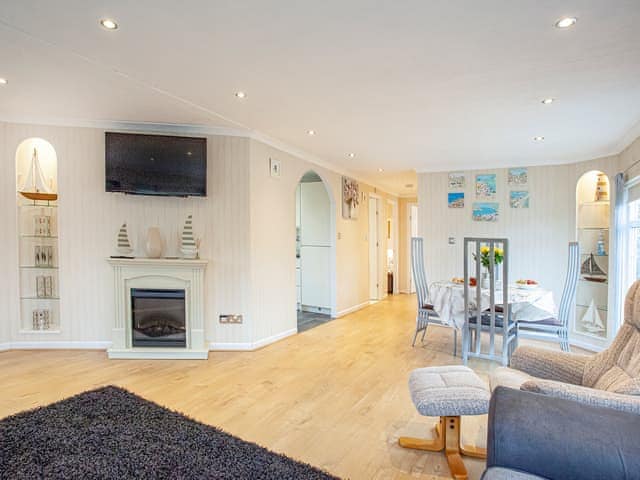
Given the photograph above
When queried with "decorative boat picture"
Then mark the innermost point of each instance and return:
(591, 320)
(123, 243)
(35, 187)
(591, 271)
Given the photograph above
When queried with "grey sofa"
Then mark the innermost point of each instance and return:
(533, 436)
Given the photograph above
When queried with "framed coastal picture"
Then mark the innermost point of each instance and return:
(485, 211)
(455, 199)
(486, 186)
(518, 176)
(456, 181)
(519, 199)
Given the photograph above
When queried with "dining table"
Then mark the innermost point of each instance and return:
(530, 303)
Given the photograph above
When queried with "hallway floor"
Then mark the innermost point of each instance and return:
(309, 320)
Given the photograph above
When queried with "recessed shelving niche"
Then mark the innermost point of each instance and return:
(593, 216)
(38, 238)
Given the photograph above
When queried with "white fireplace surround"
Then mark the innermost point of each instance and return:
(165, 274)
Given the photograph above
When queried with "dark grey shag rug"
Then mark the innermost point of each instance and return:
(110, 433)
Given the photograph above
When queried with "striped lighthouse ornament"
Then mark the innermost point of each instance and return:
(187, 242)
(123, 245)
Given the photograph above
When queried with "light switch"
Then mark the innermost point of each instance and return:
(452, 240)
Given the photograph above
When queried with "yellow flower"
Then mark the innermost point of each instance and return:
(484, 249)
(499, 251)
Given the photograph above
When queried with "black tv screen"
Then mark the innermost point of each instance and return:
(156, 164)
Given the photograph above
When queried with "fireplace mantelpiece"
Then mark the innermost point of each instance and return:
(159, 273)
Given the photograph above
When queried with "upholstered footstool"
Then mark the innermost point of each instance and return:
(448, 392)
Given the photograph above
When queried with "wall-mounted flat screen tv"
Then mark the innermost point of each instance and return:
(156, 165)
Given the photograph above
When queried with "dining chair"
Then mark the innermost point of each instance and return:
(556, 329)
(496, 320)
(426, 312)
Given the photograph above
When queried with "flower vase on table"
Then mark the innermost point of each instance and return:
(485, 261)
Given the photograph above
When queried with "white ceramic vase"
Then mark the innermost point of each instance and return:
(153, 246)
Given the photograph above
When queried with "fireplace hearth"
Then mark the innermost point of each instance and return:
(158, 318)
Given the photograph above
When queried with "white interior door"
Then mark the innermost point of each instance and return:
(374, 281)
(413, 232)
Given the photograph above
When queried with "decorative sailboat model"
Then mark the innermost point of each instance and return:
(591, 320)
(35, 187)
(591, 271)
(123, 243)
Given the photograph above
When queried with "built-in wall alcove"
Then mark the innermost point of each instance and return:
(591, 323)
(37, 217)
(315, 252)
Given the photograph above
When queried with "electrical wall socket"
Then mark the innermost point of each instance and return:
(231, 318)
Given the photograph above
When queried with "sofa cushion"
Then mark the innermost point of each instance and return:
(499, 473)
(508, 377)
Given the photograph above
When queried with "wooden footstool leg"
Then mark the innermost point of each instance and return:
(435, 445)
(447, 439)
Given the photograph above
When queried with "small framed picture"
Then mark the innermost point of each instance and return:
(274, 167)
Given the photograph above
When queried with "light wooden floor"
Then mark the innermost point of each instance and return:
(335, 396)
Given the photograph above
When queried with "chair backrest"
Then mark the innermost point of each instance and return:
(617, 369)
(489, 305)
(568, 299)
(417, 270)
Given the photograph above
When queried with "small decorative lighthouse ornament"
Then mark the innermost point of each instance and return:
(188, 245)
(123, 244)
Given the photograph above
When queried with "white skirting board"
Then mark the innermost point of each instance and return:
(248, 346)
(57, 345)
(5, 346)
(355, 308)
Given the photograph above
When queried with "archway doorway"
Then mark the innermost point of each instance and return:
(315, 252)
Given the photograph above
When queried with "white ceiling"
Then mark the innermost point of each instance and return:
(406, 85)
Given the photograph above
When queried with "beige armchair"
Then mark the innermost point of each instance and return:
(608, 379)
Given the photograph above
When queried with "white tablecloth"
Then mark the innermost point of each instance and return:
(447, 299)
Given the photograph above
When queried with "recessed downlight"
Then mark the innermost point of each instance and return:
(380, 170)
(109, 24)
(351, 155)
(241, 94)
(566, 22)
(3, 81)
(548, 101)
(538, 138)
(311, 132)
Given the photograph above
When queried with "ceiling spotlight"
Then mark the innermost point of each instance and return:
(566, 22)
(311, 132)
(241, 95)
(548, 101)
(538, 138)
(381, 170)
(108, 24)
(3, 81)
(351, 155)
